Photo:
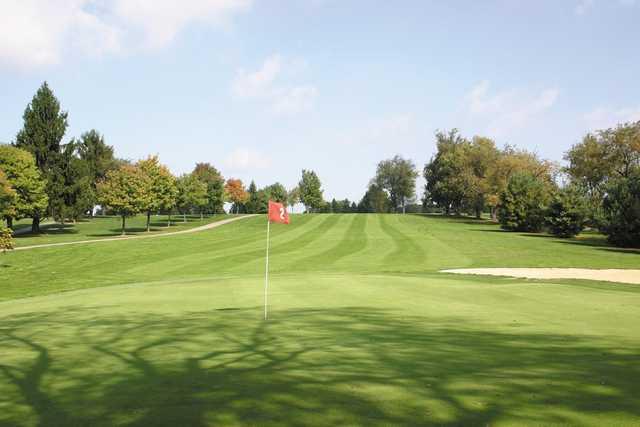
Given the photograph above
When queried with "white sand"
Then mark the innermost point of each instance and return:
(608, 275)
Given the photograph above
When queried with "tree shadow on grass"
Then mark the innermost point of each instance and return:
(50, 230)
(599, 242)
(352, 365)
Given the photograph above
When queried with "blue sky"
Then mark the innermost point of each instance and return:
(262, 89)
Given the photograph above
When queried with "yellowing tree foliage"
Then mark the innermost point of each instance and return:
(125, 191)
(235, 192)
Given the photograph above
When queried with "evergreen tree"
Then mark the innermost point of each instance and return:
(567, 212)
(99, 159)
(621, 210)
(74, 193)
(252, 205)
(44, 127)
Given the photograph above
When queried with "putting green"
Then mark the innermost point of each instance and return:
(362, 330)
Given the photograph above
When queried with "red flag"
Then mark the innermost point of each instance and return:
(278, 213)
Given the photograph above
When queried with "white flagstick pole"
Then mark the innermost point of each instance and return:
(266, 273)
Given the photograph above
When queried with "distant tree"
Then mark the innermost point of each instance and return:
(567, 212)
(44, 127)
(236, 194)
(252, 204)
(325, 207)
(523, 203)
(603, 156)
(192, 195)
(162, 191)
(276, 192)
(398, 177)
(74, 195)
(215, 186)
(448, 180)
(293, 197)
(310, 191)
(354, 207)
(26, 180)
(621, 210)
(374, 200)
(334, 206)
(125, 191)
(98, 157)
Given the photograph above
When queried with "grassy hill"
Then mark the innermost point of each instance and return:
(104, 227)
(362, 330)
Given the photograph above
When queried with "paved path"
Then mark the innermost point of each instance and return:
(145, 236)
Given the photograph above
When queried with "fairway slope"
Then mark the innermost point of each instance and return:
(363, 329)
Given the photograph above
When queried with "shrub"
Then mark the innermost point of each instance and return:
(621, 211)
(523, 203)
(567, 213)
(6, 240)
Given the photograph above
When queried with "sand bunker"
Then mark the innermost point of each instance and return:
(608, 275)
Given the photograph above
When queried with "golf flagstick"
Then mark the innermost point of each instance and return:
(266, 272)
(276, 213)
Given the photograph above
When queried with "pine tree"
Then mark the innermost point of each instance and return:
(44, 127)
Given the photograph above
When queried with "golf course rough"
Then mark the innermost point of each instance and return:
(363, 329)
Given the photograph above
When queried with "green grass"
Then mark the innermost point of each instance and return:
(106, 226)
(363, 330)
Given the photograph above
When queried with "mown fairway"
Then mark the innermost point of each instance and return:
(362, 329)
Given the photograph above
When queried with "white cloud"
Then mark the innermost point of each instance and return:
(509, 110)
(258, 83)
(266, 83)
(36, 33)
(603, 118)
(242, 159)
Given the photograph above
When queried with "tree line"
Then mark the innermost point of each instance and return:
(599, 188)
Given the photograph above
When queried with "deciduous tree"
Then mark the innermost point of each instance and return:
(523, 203)
(26, 180)
(398, 177)
(125, 191)
(8, 197)
(276, 192)
(192, 195)
(235, 192)
(206, 173)
(162, 191)
(310, 190)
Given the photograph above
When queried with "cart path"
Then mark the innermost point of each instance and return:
(149, 236)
